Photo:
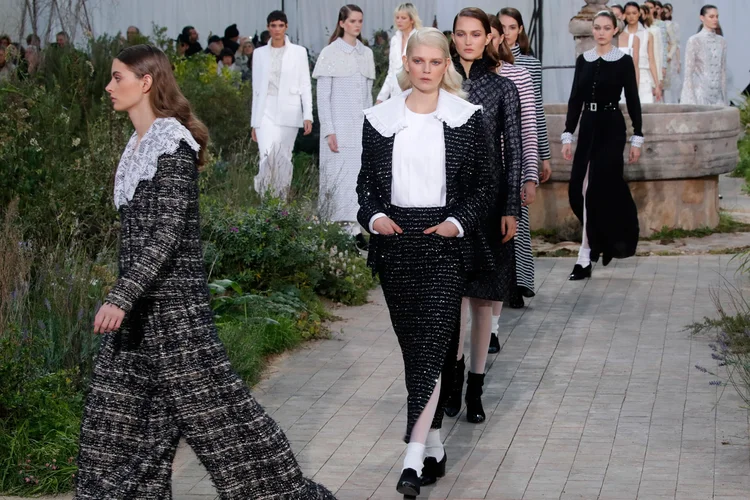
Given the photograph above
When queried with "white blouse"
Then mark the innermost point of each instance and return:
(418, 178)
(274, 77)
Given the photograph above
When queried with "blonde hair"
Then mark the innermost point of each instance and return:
(432, 37)
(412, 11)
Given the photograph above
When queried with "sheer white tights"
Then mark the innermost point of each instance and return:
(483, 319)
(416, 448)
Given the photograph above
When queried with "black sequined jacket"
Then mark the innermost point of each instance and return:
(469, 186)
(501, 104)
(160, 247)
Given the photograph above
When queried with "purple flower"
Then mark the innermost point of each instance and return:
(715, 382)
(268, 220)
(41, 325)
(284, 213)
(700, 368)
(234, 229)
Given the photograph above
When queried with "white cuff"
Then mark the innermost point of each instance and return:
(373, 219)
(636, 141)
(458, 225)
(567, 138)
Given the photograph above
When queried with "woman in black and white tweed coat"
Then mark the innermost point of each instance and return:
(162, 372)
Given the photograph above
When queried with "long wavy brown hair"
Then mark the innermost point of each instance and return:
(523, 38)
(344, 14)
(503, 50)
(166, 97)
(489, 50)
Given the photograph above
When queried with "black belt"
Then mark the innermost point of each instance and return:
(601, 106)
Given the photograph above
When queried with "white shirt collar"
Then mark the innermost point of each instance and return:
(613, 55)
(389, 117)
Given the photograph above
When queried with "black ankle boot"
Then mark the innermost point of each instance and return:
(494, 344)
(453, 403)
(409, 483)
(433, 470)
(515, 300)
(474, 410)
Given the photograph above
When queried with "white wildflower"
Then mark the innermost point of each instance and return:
(76, 142)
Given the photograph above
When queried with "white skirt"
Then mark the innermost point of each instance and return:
(275, 144)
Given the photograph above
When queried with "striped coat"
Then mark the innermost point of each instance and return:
(532, 64)
(530, 143)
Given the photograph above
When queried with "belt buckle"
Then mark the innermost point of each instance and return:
(592, 106)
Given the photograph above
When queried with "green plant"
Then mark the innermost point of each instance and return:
(727, 224)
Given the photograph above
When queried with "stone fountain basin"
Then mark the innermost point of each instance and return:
(675, 183)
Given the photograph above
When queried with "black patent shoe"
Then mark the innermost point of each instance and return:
(515, 299)
(474, 409)
(409, 483)
(580, 273)
(494, 344)
(433, 470)
(606, 259)
(361, 242)
(453, 403)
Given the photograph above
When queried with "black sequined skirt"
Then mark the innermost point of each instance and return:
(496, 283)
(423, 281)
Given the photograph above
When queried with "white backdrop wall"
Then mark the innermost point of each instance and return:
(311, 22)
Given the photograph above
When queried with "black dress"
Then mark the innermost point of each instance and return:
(424, 275)
(501, 120)
(165, 374)
(611, 215)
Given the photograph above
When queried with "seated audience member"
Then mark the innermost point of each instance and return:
(231, 38)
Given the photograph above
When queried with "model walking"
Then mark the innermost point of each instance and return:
(657, 47)
(518, 41)
(406, 19)
(424, 187)
(345, 71)
(706, 63)
(282, 103)
(599, 196)
(478, 61)
(162, 372)
(673, 80)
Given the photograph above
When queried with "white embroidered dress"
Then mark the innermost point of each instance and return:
(705, 70)
(139, 160)
(345, 74)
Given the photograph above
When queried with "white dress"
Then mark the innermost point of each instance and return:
(705, 70)
(673, 81)
(629, 51)
(345, 74)
(645, 80)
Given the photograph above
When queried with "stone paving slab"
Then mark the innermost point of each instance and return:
(594, 396)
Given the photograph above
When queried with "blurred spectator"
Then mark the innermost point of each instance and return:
(4, 41)
(244, 59)
(264, 37)
(226, 60)
(190, 34)
(215, 46)
(7, 68)
(231, 38)
(33, 41)
(133, 34)
(381, 38)
(183, 44)
(62, 39)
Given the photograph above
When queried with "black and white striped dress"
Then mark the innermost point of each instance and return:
(524, 267)
(524, 256)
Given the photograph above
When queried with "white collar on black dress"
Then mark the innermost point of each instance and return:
(139, 163)
(613, 55)
(389, 117)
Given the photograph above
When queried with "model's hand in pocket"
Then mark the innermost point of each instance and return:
(333, 144)
(385, 226)
(446, 229)
(108, 319)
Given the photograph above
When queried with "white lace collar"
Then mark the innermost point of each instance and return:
(613, 55)
(136, 165)
(389, 118)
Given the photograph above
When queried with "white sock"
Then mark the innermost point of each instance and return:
(434, 445)
(584, 257)
(414, 457)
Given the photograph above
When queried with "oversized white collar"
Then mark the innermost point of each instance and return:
(613, 55)
(389, 117)
(139, 164)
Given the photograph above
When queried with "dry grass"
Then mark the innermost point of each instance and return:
(15, 263)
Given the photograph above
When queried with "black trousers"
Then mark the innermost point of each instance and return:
(423, 282)
(163, 375)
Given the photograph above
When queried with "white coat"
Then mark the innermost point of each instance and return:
(395, 63)
(295, 89)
